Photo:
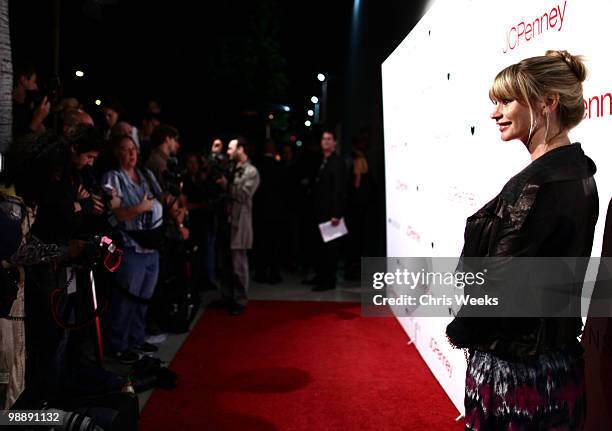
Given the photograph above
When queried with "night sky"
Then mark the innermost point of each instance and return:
(207, 62)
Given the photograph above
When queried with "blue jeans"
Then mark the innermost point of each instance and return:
(127, 317)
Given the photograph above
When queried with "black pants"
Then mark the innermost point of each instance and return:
(46, 342)
(328, 261)
(224, 269)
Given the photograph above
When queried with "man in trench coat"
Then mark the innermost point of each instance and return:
(241, 188)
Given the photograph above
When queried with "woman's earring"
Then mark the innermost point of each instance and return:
(546, 133)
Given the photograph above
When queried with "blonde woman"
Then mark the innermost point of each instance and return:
(528, 373)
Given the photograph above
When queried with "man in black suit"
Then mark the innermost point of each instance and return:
(329, 201)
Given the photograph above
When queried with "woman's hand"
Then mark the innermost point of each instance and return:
(145, 204)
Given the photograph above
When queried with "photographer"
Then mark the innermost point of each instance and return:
(218, 251)
(139, 215)
(242, 187)
(42, 173)
(174, 301)
(64, 206)
(165, 142)
(67, 201)
(200, 193)
(30, 109)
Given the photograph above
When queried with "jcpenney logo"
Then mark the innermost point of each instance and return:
(435, 349)
(529, 29)
(598, 106)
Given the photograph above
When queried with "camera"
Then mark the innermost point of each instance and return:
(92, 186)
(172, 177)
(218, 166)
(73, 421)
(98, 249)
(52, 92)
(111, 255)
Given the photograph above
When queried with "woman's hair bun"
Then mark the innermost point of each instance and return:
(575, 62)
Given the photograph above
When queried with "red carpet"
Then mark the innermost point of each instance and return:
(299, 366)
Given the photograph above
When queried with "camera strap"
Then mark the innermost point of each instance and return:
(55, 306)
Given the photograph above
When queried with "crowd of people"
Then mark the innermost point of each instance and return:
(117, 216)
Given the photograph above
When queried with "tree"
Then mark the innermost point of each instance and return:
(247, 61)
(6, 78)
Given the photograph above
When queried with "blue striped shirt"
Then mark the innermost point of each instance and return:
(131, 194)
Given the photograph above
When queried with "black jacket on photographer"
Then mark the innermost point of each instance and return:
(547, 210)
(218, 165)
(57, 221)
(201, 191)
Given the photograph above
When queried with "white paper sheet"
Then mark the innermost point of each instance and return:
(329, 232)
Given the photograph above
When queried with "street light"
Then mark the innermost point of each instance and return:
(79, 73)
(98, 102)
(321, 77)
(314, 99)
(310, 113)
(307, 123)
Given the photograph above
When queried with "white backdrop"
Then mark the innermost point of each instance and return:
(443, 155)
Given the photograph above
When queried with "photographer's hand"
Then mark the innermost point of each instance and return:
(98, 205)
(145, 204)
(88, 203)
(40, 113)
(222, 181)
(184, 232)
(177, 213)
(82, 193)
(169, 199)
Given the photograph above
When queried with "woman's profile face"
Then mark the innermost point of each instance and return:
(513, 120)
(128, 154)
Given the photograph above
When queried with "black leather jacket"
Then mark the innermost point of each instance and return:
(547, 210)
